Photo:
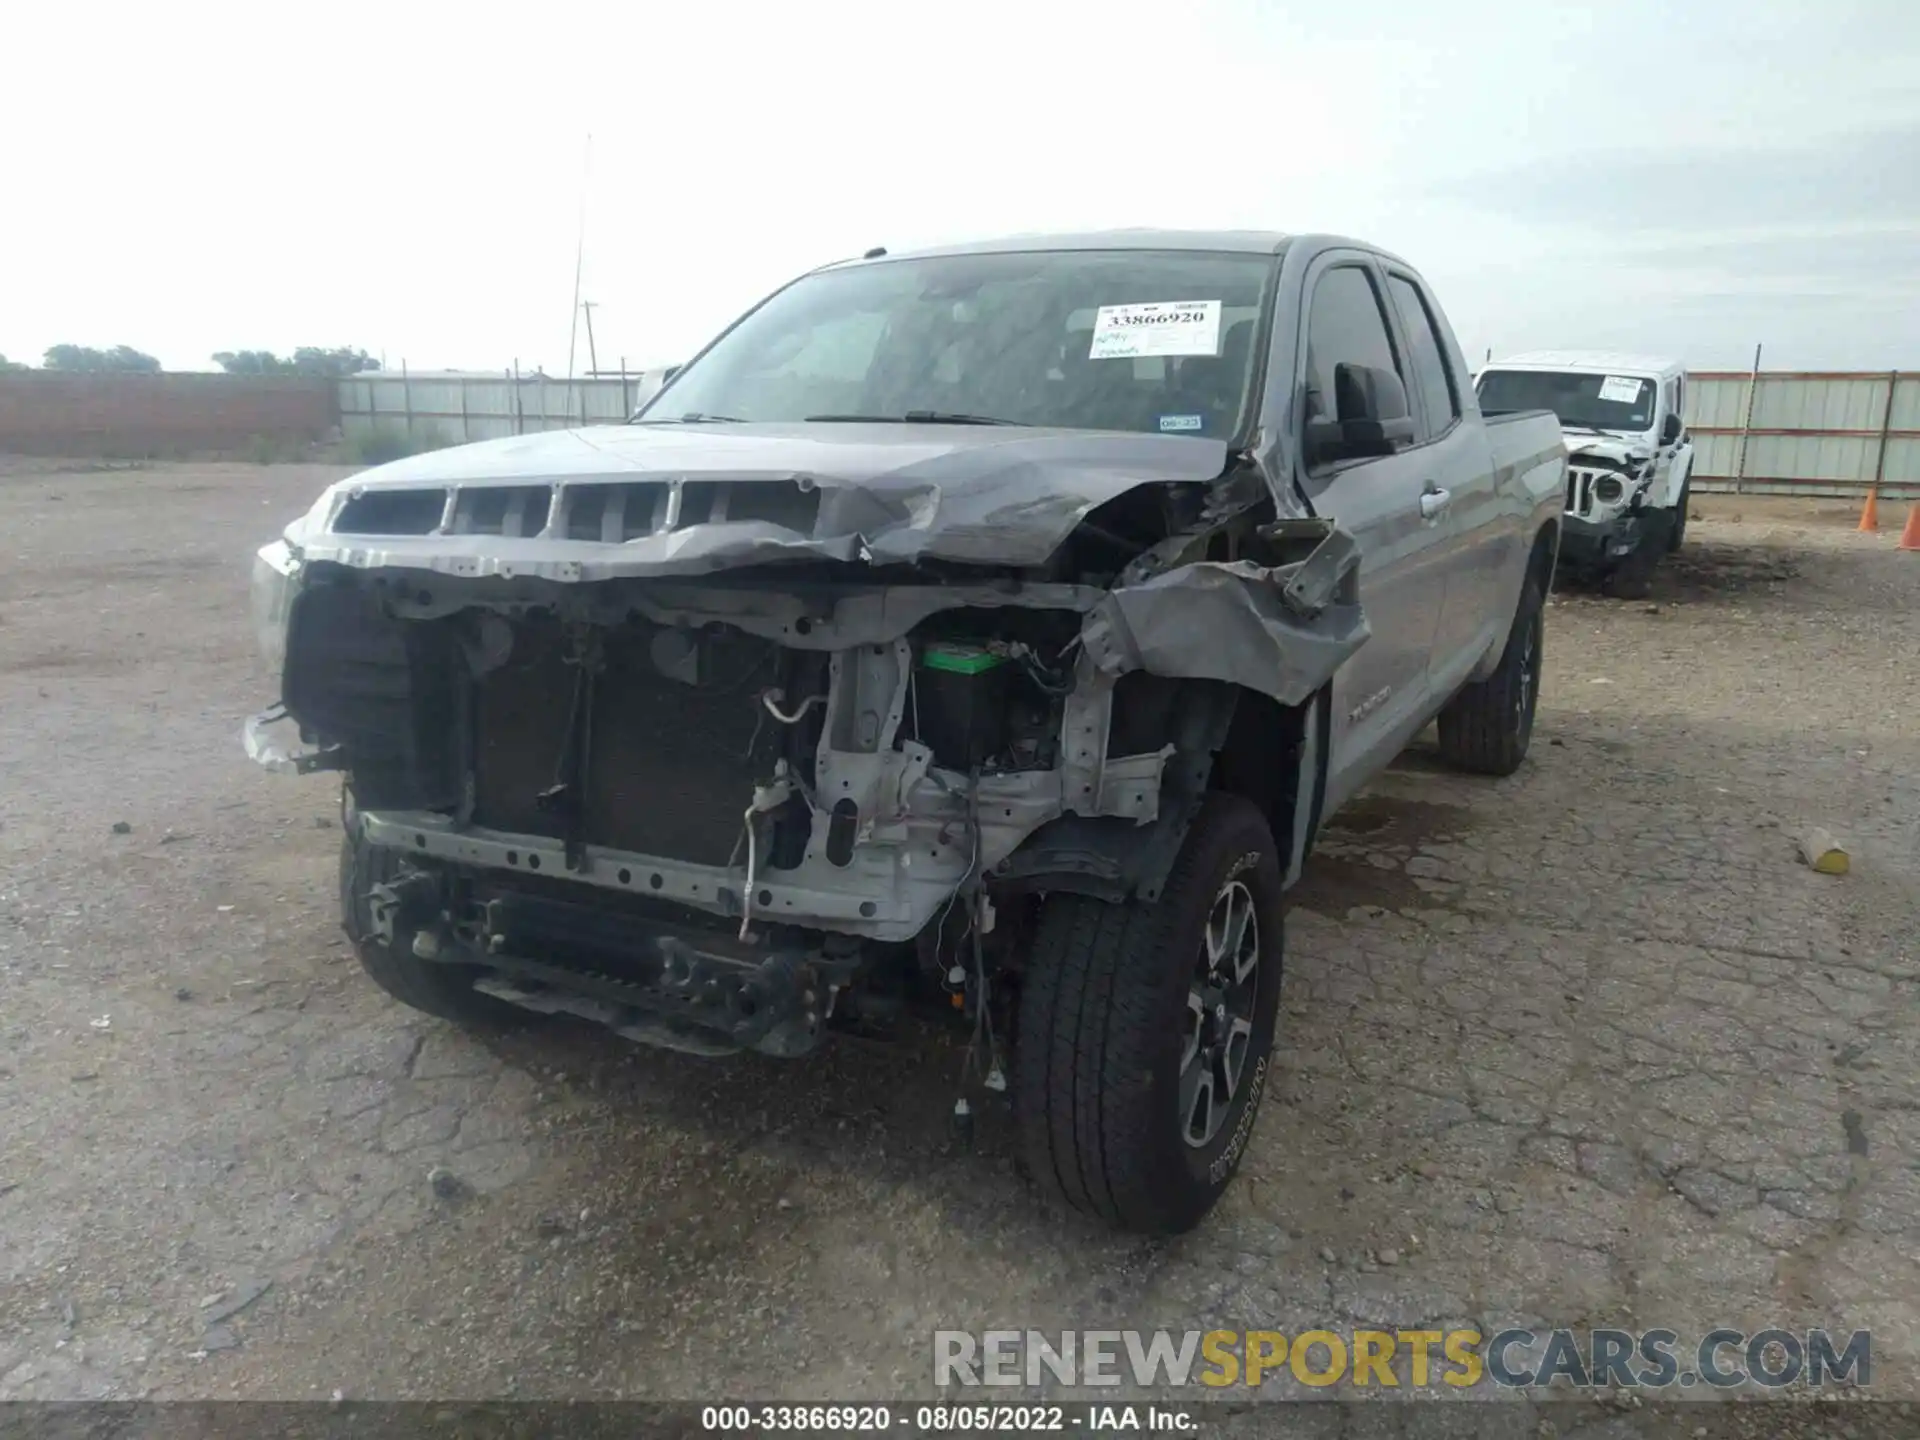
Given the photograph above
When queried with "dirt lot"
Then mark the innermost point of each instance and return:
(1584, 1047)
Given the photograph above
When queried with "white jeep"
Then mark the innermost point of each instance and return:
(1630, 459)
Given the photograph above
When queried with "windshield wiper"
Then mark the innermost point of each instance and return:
(914, 417)
(693, 417)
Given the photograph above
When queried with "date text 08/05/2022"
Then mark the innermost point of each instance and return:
(949, 1419)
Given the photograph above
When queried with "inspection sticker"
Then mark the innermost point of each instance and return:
(1621, 388)
(1181, 422)
(1161, 327)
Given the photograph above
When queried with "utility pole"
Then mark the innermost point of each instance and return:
(593, 357)
(579, 256)
(1746, 424)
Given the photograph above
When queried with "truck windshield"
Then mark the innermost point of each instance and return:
(1100, 340)
(1581, 399)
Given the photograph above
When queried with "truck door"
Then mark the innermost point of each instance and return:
(1380, 695)
(1476, 538)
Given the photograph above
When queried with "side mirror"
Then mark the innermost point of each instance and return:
(1374, 416)
(1670, 430)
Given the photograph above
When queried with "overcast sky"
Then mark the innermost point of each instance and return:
(1689, 178)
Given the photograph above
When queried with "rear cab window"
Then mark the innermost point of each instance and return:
(1433, 377)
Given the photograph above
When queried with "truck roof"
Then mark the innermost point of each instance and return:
(1224, 242)
(1243, 242)
(1610, 362)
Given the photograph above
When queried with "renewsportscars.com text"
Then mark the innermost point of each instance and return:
(1514, 1359)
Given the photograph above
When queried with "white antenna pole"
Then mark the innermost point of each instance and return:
(579, 255)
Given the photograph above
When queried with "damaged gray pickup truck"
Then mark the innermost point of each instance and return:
(991, 627)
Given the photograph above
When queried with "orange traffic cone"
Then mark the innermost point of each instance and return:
(1910, 537)
(1870, 512)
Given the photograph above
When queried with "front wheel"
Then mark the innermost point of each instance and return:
(1632, 577)
(1677, 531)
(1487, 727)
(1144, 1031)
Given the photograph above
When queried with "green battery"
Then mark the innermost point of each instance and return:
(960, 659)
(961, 703)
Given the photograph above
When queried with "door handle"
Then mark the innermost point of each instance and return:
(1434, 503)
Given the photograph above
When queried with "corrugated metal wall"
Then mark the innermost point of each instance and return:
(457, 408)
(1805, 432)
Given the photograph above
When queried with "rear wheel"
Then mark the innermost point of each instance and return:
(1487, 727)
(438, 988)
(1144, 1031)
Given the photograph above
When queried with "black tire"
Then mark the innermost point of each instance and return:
(1677, 531)
(1632, 577)
(1487, 727)
(433, 986)
(1112, 1050)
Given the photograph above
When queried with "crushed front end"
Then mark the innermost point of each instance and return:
(703, 801)
(1608, 485)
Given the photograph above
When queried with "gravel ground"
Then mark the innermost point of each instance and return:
(1587, 1046)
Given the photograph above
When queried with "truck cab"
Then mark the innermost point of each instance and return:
(1630, 458)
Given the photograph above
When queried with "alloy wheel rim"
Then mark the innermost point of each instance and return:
(1529, 677)
(1219, 1015)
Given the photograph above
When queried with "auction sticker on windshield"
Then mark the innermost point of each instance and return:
(1160, 327)
(1620, 388)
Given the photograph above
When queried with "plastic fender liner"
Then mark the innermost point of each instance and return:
(1105, 857)
(1111, 858)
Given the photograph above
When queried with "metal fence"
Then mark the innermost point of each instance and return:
(1797, 432)
(454, 407)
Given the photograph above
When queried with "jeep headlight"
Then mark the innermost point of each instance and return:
(1608, 489)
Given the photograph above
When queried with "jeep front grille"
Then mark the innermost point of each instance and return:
(1580, 480)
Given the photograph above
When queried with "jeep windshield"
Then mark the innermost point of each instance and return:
(1157, 341)
(1583, 400)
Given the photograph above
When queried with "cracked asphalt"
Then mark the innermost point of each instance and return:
(1585, 1047)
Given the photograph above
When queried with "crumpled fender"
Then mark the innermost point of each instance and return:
(1280, 630)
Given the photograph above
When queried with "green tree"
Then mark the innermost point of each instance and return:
(307, 360)
(9, 366)
(250, 362)
(121, 359)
